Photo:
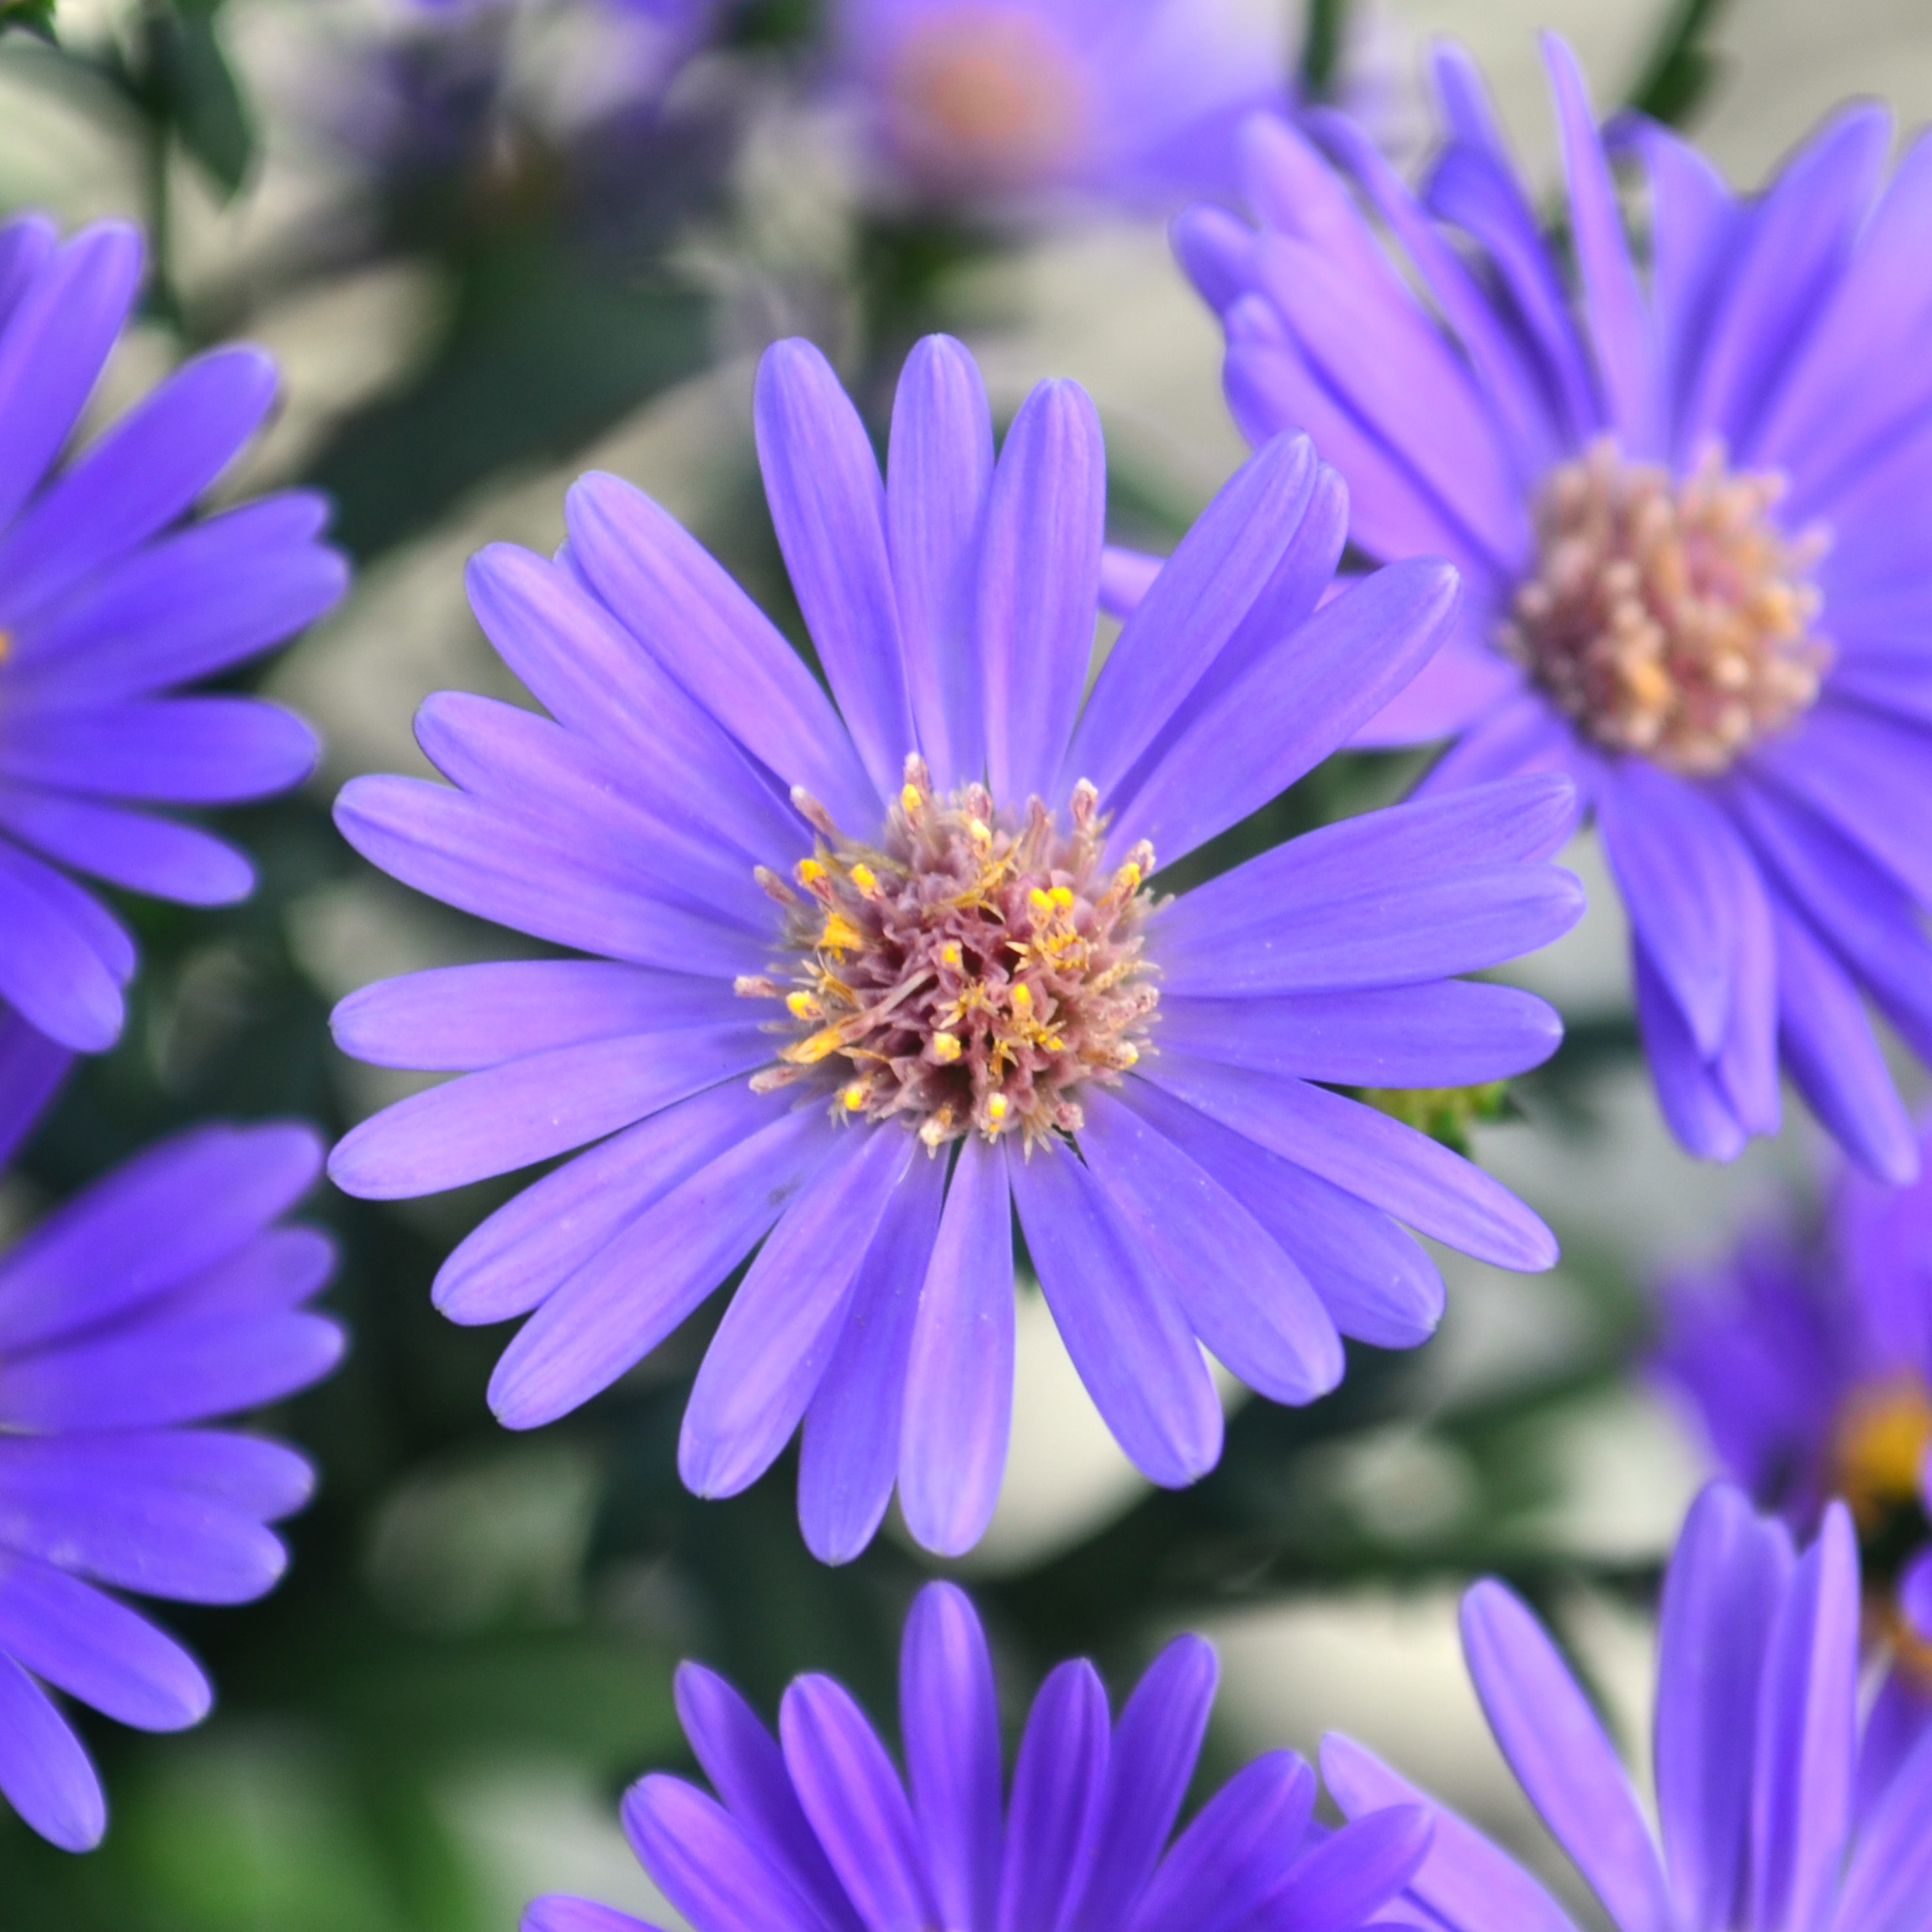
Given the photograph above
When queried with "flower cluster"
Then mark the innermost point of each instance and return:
(1694, 579)
(943, 891)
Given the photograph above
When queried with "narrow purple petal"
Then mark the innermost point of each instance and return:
(44, 1769)
(849, 1452)
(51, 968)
(1807, 1734)
(524, 1251)
(1119, 1314)
(1126, 576)
(1366, 1154)
(128, 849)
(1156, 1743)
(828, 508)
(1558, 1750)
(938, 479)
(1234, 1851)
(682, 606)
(26, 245)
(1462, 684)
(555, 1912)
(1344, 1882)
(1888, 1888)
(950, 1714)
(1699, 1113)
(778, 1336)
(180, 751)
(711, 1868)
(635, 1289)
(957, 1403)
(1250, 1304)
(32, 1068)
(1039, 586)
(856, 1804)
(1057, 1783)
(1295, 704)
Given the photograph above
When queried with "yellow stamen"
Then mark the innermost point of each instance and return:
(854, 1096)
(1062, 898)
(911, 798)
(808, 872)
(1023, 997)
(840, 935)
(803, 1006)
(1128, 878)
(945, 1048)
(1040, 901)
(997, 1107)
(810, 1051)
(1879, 1448)
(866, 880)
(950, 957)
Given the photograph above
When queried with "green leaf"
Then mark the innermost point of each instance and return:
(34, 17)
(1681, 66)
(195, 91)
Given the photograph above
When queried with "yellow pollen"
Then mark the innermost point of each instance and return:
(802, 1005)
(809, 1051)
(866, 880)
(1041, 902)
(809, 872)
(1062, 899)
(1128, 878)
(839, 934)
(911, 798)
(1671, 618)
(945, 1048)
(1022, 998)
(997, 1106)
(1128, 1056)
(1879, 1447)
(950, 957)
(853, 1097)
(981, 834)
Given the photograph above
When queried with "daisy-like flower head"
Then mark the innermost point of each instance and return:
(1684, 504)
(164, 1296)
(978, 103)
(111, 594)
(816, 1830)
(872, 976)
(1808, 1362)
(1775, 1812)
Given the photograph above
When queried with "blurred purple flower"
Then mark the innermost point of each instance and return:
(1686, 509)
(967, 103)
(1808, 1363)
(110, 596)
(163, 1296)
(1775, 1816)
(816, 1830)
(969, 962)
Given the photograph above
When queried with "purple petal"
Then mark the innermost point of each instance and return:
(180, 751)
(97, 1650)
(708, 1865)
(1343, 1882)
(938, 478)
(1375, 1281)
(486, 862)
(32, 1068)
(26, 245)
(680, 604)
(1620, 327)
(1561, 1758)
(747, 1768)
(635, 1289)
(1366, 1154)
(1699, 1112)
(51, 967)
(44, 1769)
(1295, 704)
(1250, 1305)
(1233, 1852)
(1193, 608)
(1117, 1313)
(950, 1714)
(599, 684)
(1807, 1734)
(157, 1221)
(524, 1251)
(1039, 587)
(128, 849)
(849, 1452)
(1464, 1879)
(828, 508)
(1915, 1593)
(1450, 1033)
(55, 344)
(1888, 1888)
(508, 1117)
(1463, 682)
(1057, 1782)
(856, 1805)
(1155, 1743)
(1726, 1577)
(1126, 576)
(554, 1913)
(147, 471)
(772, 1349)
(957, 1403)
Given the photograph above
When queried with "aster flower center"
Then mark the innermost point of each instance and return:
(985, 97)
(1878, 1448)
(969, 972)
(1670, 619)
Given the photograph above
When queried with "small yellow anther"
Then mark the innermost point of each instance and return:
(866, 880)
(1128, 878)
(810, 1051)
(1022, 998)
(852, 1097)
(1062, 898)
(945, 1048)
(950, 956)
(1129, 1054)
(997, 1107)
(1041, 902)
(1053, 1044)
(802, 1005)
(840, 935)
(979, 832)
(808, 871)
(911, 798)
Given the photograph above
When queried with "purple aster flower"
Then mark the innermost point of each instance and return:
(111, 594)
(977, 102)
(873, 978)
(163, 1296)
(1807, 1358)
(1684, 506)
(815, 1829)
(1771, 1817)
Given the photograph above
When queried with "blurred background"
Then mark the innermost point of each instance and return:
(494, 243)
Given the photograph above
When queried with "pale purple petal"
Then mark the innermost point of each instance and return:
(1234, 1851)
(705, 1863)
(128, 849)
(44, 1769)
(1054, 1812)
